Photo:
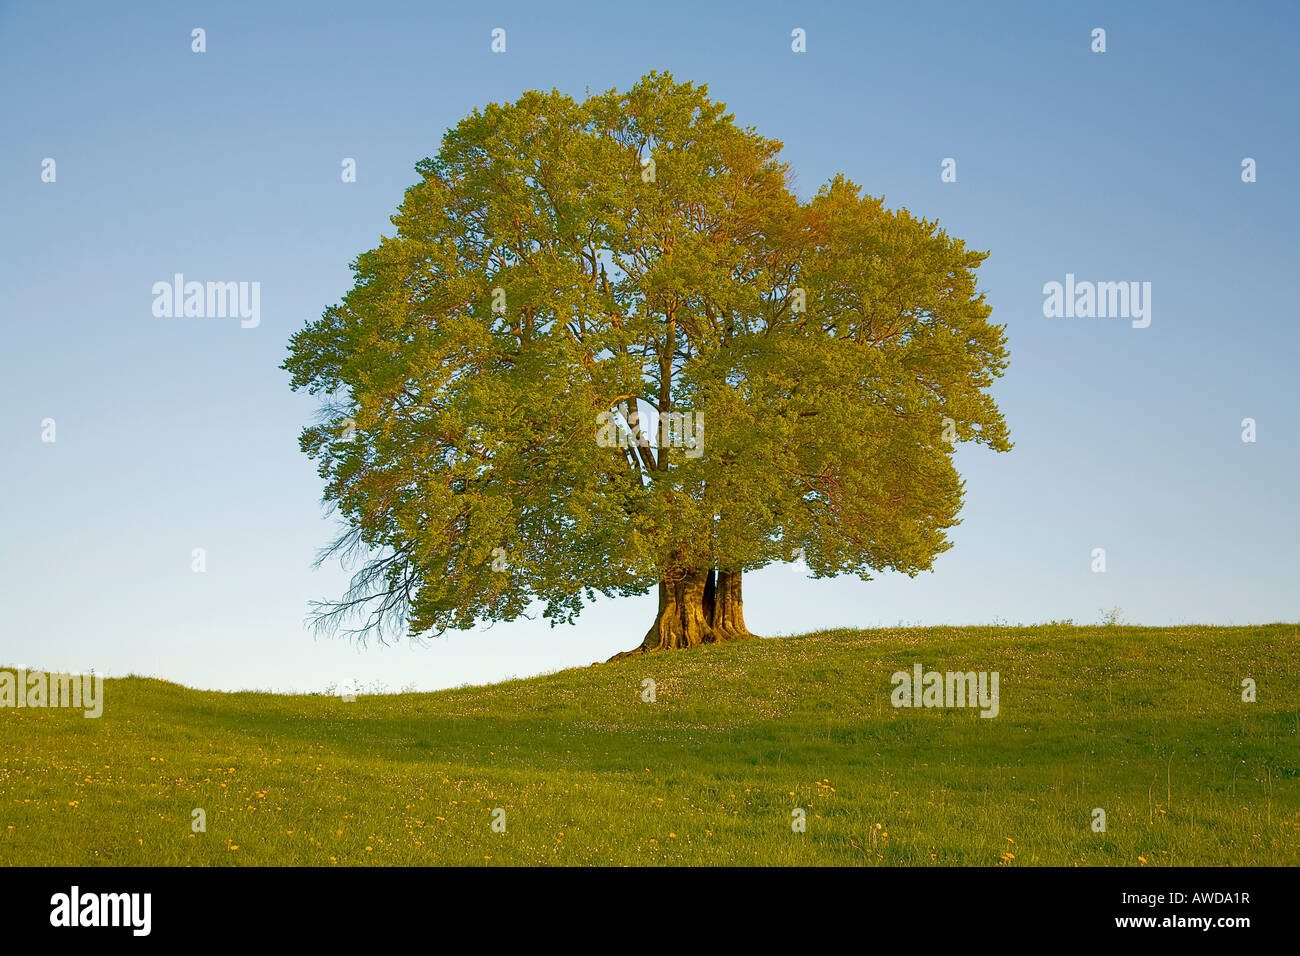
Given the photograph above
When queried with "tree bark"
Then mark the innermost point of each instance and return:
(695, 607)
(727, 614)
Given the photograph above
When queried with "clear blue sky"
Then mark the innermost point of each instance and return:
(174, 434)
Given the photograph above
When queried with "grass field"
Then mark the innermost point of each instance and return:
(1147, 724)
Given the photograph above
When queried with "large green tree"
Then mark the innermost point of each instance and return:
(608, 350)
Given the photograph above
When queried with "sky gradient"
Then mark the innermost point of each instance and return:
(175, 433)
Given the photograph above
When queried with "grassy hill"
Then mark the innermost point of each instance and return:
(1145, 723)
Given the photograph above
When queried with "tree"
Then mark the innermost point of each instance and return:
(516, 389)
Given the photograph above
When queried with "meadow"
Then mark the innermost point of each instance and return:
(1146, 724)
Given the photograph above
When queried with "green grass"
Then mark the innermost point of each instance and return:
(1146, 723)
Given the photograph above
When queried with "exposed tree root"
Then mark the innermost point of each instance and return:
(696, 607)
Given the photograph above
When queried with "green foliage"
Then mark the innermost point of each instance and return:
(634, 255)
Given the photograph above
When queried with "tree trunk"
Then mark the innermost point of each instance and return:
(695, 607)
(727, 615)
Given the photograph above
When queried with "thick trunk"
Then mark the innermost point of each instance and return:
(727, 615)
(690, 597)
(680, 621)
(695, 607)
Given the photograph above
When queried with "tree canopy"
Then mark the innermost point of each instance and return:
(608, 349)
